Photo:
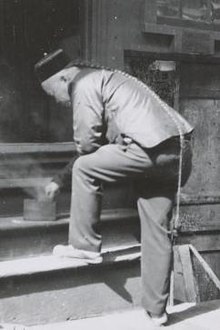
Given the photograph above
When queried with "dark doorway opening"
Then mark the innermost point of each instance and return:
(28, 29)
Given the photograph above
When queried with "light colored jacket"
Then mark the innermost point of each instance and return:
(109, 104)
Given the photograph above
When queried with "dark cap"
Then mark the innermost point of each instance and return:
(51, 64)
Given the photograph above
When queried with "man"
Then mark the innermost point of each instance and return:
(122, 130)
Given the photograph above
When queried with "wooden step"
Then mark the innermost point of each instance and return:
(19, 238)
(14, 191)
(49, 289)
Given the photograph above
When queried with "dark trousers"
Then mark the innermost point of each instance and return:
(156, 171)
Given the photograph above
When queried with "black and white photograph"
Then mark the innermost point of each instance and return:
(109, 164)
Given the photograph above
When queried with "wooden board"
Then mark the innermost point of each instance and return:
(207, 281)
(187, 273)
(196, 42)
(204, 116)
(194, 280)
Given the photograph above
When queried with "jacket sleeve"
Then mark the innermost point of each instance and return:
(63, 177)
(88, 128)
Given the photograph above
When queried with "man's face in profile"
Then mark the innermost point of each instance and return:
(57, 87)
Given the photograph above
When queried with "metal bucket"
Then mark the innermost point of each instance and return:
(39, 210)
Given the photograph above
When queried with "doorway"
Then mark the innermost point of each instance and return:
(28, 29)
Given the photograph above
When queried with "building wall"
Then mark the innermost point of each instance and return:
(133, 27)
(123, 29)
(200, 102)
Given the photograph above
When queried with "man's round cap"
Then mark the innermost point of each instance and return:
(50, 64)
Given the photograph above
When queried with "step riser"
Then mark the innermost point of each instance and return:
(65, 295)
(40, 241)
(25, 242)
(115, 196)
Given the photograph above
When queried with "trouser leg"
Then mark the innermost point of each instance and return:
(110, 163)
(156, 261)
(85, 211)
(155, 206)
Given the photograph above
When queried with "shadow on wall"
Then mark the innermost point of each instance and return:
(11, 127)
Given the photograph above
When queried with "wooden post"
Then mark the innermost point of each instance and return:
(188, 277)
(207, 282)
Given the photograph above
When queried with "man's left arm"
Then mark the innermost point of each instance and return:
(88, 126)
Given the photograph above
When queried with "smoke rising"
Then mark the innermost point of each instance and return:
(24, 173)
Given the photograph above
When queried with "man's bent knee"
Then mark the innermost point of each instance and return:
(81, 165)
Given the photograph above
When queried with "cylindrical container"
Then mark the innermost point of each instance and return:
(39, 210)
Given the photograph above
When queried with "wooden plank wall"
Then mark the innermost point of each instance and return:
(200, 103)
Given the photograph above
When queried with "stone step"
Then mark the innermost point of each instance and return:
(14, 191)
(48, 289)
(20, 238)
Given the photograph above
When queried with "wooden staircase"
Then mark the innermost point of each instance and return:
(47, 289)
(36, 287)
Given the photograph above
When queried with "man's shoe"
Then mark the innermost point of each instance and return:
(159, 320)
(70, 252)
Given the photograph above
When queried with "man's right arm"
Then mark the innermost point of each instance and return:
(61, 179)
(88, 111)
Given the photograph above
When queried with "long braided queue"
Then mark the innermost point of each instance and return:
(174, 231)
